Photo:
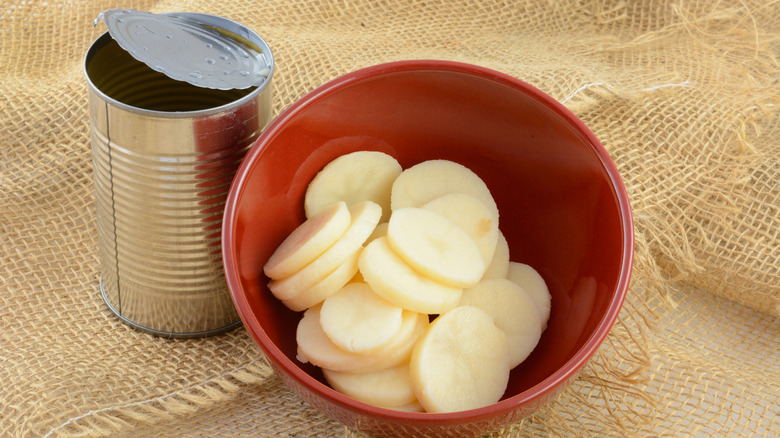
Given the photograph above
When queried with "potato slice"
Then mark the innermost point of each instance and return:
(314, 345)
(435, 247)
(388, 388)
(365, 216)
(529, 279)
(394, 280)
(499, 265)
(473, 217)
(461, 362)
(512, 310)
(352, 178)
(428, 180)
(308, 241)
(326, 287)
(357, 319)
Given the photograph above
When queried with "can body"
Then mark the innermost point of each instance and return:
(164, 155)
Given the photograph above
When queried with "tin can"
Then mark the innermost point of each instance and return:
(164, 152)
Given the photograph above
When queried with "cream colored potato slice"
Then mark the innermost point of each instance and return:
(365, 216)
(357, 319)
(394, 280)
(326, 287)
(499, 265)
(352, 178)
(461, 362)
(512, 310)
(387, 388)
(529, 279)
(473, 217)
(308, 241)
(428, 180)
(315, 347)
(435, 247)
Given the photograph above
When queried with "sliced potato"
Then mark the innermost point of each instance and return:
(391, 387)
(428, 180)
(499, 265)
(326, 287)
(512, 310)
(381, 250)
(314, 345)
(352, 178)
(365, 216)
(529, 279)
(394, 280)
(308, 241)
(435, 247)
(461, 362)
(472, 216)
(357, 319)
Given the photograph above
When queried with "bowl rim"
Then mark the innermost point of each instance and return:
(567, 371)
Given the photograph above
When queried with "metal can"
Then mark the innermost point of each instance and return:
(175, 101)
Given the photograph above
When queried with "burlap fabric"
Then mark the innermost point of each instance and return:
(684, 95)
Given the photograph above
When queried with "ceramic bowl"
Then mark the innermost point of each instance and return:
(563, 210)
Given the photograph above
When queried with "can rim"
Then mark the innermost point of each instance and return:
(165, 333)
(106, 37)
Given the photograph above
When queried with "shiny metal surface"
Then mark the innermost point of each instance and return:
(201, 49)
(164, 155)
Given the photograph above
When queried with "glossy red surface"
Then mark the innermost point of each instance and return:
(563, 210)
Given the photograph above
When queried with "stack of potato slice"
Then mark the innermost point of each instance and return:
(382, 253)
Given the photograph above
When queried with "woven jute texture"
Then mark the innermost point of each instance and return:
(683, 94)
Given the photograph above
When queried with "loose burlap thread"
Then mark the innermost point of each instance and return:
(684, 96)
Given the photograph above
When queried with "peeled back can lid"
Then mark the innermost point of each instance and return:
(205, 50)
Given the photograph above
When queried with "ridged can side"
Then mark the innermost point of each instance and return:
(161, 178)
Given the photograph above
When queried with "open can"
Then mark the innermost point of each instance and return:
(175, 101)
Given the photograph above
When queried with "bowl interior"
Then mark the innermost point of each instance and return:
(562, 206)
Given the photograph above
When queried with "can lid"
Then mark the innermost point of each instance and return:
(204, 50)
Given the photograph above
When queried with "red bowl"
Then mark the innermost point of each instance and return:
(563, 209)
